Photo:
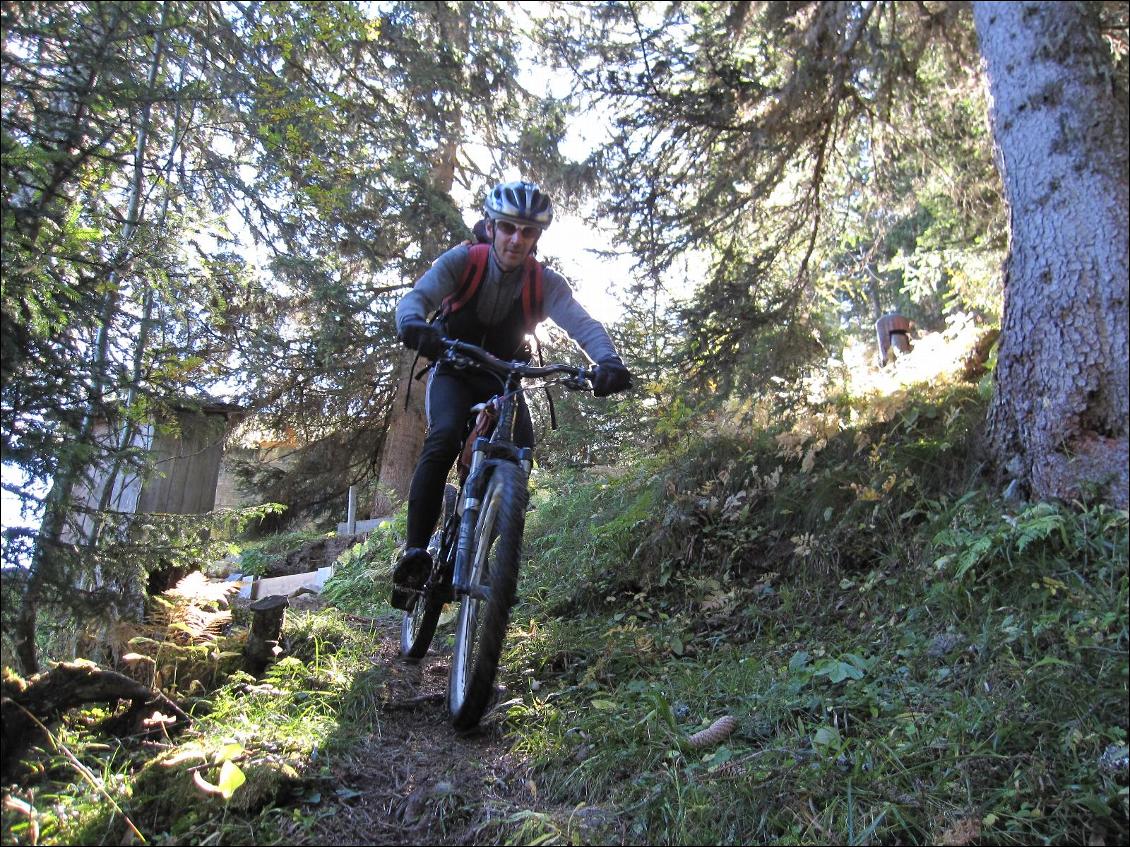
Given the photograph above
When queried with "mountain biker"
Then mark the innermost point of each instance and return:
(892, 332)
(516, 214)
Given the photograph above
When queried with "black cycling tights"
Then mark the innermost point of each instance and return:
(451, 394)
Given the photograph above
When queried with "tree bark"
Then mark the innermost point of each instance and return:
(266, 630)
(1058, 418)
(403, 442)
(408, 426)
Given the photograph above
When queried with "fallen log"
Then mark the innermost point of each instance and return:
(29, 707)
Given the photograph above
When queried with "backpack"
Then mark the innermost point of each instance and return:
(533, 303)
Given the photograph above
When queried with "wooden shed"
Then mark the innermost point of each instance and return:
(188, 465)
(183, 480)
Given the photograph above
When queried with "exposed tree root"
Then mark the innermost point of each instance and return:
(27, 706)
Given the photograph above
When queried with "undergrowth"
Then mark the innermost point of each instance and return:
(260, 556)
(257, 753)
(362, 574)
(910, 657)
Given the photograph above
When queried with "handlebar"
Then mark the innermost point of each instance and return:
(480, 357)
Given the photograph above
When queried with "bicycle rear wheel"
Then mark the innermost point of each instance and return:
(495, 556)
(418, 626)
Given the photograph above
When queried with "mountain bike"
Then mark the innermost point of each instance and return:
(477, 549)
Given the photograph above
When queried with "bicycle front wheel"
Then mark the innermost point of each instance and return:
(495, 556)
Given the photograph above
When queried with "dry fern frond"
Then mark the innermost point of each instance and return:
(185, 613)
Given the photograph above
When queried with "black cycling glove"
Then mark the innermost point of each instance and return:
(423, 337)
(611, 376)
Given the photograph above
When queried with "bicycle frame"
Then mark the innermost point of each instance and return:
(477, 556)
(499, 446)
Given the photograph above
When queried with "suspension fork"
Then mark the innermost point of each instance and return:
(500, 445)
(504, 429)
(474, 491)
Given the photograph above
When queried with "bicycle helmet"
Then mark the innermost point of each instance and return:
(519, 202)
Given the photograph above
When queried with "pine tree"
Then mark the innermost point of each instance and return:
(1060, 414)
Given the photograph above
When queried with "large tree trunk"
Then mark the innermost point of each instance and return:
(402, 444)
(1058, 419)
(408, 420)
(407, 426)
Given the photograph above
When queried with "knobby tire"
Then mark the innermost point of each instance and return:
(481, 627)
(418, 626)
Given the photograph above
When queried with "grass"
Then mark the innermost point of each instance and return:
(910, 658)
(269, 741)
(362, 574)
(258, 557)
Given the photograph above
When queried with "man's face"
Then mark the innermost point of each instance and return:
(512, 243)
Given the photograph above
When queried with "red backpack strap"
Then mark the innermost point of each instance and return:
(473, 273)
(533, 300)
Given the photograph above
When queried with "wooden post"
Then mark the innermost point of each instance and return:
(266, 627)
(351, 512)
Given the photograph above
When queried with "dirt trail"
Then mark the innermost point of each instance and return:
(417, 781)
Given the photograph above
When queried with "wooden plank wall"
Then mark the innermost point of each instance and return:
(184, 482)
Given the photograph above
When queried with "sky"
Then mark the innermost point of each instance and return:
(596, 280)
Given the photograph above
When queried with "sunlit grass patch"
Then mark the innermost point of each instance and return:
(254, 745)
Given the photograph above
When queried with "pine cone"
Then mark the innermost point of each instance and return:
(716, 733)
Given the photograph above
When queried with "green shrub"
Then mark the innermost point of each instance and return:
(361, 581)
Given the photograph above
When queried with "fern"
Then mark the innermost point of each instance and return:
(1036, 524)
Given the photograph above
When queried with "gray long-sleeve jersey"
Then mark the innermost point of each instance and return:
(496, 296)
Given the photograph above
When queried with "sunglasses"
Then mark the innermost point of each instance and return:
(508, 229)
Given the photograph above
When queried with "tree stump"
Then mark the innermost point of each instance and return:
(893, 330)
(266, 627)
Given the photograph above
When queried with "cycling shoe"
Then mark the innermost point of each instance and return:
(413, 568)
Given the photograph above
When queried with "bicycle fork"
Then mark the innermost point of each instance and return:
(470, 506)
